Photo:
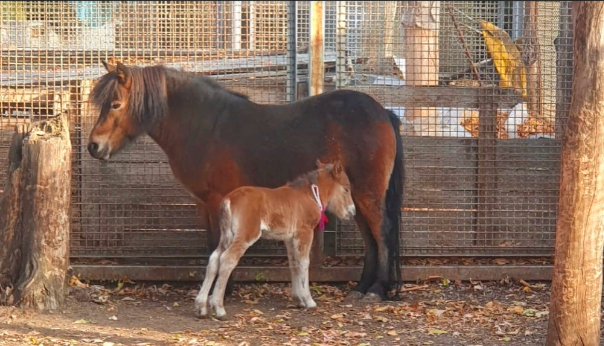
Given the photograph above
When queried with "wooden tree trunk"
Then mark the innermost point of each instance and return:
(35, 216)
(577, 277)
(421, 23)
(531, 56)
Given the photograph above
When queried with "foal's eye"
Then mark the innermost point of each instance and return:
(116, 105)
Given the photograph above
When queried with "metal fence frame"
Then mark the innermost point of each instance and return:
(484, 150)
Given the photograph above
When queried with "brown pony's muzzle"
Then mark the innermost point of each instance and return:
(100, 154)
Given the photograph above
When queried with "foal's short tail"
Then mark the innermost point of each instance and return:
(226, 224)
(394, 196)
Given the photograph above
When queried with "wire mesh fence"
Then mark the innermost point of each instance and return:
(481, 177)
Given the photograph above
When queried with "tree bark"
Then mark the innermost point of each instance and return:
(577, 277)
(421, 22)
(531, 56)
(35, 210)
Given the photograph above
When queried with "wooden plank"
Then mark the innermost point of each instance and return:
(432, 230)
(487, 174)
(527, 187)
(437, 96)
(324, 274)
(440, 173)
(208, 67)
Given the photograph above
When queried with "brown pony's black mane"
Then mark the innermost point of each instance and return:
(148, 96)
(309, 178)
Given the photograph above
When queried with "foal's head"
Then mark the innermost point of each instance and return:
(129, 99)
(334, 187)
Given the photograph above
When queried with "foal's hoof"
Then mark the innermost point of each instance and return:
(353, 296)
(372, 298)
(221, 317)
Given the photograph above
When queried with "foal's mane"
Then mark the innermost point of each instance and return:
(148, 94)
(309, 177)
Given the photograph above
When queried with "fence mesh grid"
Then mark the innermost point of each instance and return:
(479, 180)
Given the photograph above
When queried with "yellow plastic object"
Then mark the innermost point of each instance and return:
(506, 57)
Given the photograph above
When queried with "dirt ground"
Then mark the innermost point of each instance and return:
(435, 312)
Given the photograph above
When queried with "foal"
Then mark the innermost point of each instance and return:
(288, 213)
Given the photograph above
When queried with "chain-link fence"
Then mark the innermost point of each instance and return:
(481, 176)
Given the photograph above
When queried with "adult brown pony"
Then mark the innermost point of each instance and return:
(289, 214)
(217, 140)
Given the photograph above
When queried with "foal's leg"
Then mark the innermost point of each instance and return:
(302, 245)
(228, 261)
(211, 271)
(214, 201)
(294, 267)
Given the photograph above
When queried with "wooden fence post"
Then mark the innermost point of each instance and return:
(316, 80)
(487, 173)
(35, 216)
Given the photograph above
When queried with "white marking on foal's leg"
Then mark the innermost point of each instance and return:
(304, 280)
(228, 261)
(295, 273)
(211, 271)
(302, 252)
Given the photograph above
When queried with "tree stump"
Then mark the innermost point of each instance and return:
(35, 216)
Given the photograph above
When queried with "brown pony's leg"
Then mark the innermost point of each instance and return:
(370, 260)
(376, 259)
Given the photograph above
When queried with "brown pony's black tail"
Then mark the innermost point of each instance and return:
(394, 196)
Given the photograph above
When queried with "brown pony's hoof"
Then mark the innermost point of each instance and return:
(372, 298)
(353, 296)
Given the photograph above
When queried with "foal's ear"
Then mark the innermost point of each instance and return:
(109, 67)
(320, 165)
(337, 168)
(123, 75)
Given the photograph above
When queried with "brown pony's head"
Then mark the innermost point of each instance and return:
(129, 100)
(334, 186)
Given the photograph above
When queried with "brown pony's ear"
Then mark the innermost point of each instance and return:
(123, 75)
(109, 67)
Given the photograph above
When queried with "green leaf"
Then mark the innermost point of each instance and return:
(81, 321)
(506, 338)
(437, 331)
(529, 312)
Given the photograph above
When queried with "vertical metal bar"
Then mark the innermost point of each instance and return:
(341, 79)
(220, 24)
(237, 25)
(316, 70)
(517, 15)
(501, 7)
(564, 67)
(292, 64)
(252, 26)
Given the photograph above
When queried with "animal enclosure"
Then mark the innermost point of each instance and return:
(483, 90)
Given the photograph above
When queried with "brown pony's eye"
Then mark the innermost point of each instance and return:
(116, 105)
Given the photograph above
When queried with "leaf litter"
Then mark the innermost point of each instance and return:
(436, 311)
